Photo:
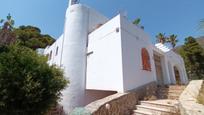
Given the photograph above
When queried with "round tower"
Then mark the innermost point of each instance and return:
(74, 55)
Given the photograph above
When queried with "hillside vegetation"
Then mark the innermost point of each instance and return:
(193, 54)
(200, 40)
(29, 36)
(28, 85)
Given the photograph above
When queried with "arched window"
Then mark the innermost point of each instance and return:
(146, 60)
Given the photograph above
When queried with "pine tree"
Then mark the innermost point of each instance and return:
(6, 31)
(193, 55)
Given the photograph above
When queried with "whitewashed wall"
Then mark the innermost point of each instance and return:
(175, 60)
(170, 60)
(80, 20)
(164, 64)
(104, 65)
(56, 56)
(115, 63)
(133, 40)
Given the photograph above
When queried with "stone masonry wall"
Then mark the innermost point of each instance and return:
(121, 103)
(188, 99)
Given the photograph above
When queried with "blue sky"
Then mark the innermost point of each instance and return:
(179, 17)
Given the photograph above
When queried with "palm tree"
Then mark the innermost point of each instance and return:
(137, 21)
(8, 24)
(6, 31)
(172, 40)
(161, 38)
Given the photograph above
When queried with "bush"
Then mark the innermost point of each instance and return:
(28, 85)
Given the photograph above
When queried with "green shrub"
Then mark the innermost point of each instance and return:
(28, 85)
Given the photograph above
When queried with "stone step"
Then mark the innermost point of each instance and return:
(163, 91)
(173, 97)
(174, 94)
(162, 94)
(169, 94)
(172, 87)
(170, 90)
(177, 87)
(175, 91)
(155, 110)
(164, 105)
(162, 97)
(162, 88)
(169, 97)
(139, 112)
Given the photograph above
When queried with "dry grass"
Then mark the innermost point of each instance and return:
(201, 95)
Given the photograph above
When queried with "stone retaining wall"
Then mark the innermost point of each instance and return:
(188, 99)
(121, 103)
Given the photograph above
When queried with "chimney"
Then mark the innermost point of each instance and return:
(72, 2)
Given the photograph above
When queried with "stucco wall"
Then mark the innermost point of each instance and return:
(175, 60)
(55, 58)
(116, 56)
(104, 64)
(72, 49)
(74, 56)
(133, 40)
(79, 21)
(170, 60)
(114, 63)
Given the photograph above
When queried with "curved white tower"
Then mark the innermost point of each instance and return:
(74, 55)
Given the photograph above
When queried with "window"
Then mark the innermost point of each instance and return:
(50, 55)
(146, 60)
(56, 53)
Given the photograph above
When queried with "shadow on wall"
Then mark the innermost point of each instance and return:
(121, 103)
(93, 95)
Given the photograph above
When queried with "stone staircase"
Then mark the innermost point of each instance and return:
(170, 92)
(165, 104)
(157, 107)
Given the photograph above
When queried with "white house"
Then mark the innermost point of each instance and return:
(102, 56)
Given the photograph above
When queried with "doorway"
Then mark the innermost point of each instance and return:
(177, 76)
(159, 70)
